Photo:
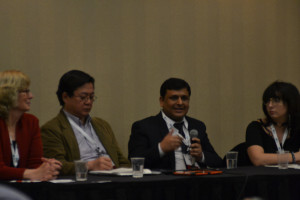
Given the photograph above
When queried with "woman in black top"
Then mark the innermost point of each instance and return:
(280, 129)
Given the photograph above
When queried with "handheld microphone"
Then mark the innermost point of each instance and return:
(193, 134)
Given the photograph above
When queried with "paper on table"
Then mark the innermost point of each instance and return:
(292, 166)
(119, 172)
(271, 165)
(62, 181)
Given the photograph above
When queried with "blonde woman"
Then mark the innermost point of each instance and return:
(20, 141)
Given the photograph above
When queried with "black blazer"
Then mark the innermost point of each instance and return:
(147, 133)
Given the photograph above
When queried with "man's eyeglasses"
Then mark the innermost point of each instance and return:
(274, 101)
(86, 98)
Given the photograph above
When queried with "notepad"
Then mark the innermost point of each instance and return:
(119, 172)
(292, 166)
(62, 181)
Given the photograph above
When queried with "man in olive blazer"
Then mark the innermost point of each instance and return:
(60, 142)
(74, 135)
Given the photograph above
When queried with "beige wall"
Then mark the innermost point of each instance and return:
(228, 50)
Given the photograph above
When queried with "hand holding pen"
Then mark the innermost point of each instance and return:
(103, 162)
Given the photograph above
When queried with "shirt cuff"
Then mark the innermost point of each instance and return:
(203, 158)
(161, 153)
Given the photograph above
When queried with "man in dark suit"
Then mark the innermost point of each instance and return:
(164, 139)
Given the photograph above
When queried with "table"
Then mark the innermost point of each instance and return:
(268, 183)
(271, 183)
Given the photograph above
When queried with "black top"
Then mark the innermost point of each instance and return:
(258, 134)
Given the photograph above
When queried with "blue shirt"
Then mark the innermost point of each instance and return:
(88, 150)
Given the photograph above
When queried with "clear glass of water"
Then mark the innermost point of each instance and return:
(81, 170)
(231, 159)
(137, 167)
(283, 159)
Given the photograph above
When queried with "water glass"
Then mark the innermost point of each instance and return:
(231, 159)
(137, 167)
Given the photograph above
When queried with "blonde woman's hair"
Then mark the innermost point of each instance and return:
(11, 83)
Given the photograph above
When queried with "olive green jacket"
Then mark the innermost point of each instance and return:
(59, 142)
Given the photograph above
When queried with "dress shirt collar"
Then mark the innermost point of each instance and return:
(170, 122)
(76, 119)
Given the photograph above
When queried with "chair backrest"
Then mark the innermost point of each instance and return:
(243, 158)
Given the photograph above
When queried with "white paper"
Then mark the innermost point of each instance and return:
(119, 172)
(292, 166)
(62, 181)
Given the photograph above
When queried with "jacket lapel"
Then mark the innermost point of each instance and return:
(163, 128)
(191, 126)
(69, 135)
(106, 141)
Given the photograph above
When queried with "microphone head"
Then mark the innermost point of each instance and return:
(193, 133)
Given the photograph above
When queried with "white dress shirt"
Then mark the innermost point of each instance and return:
(181, 160)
